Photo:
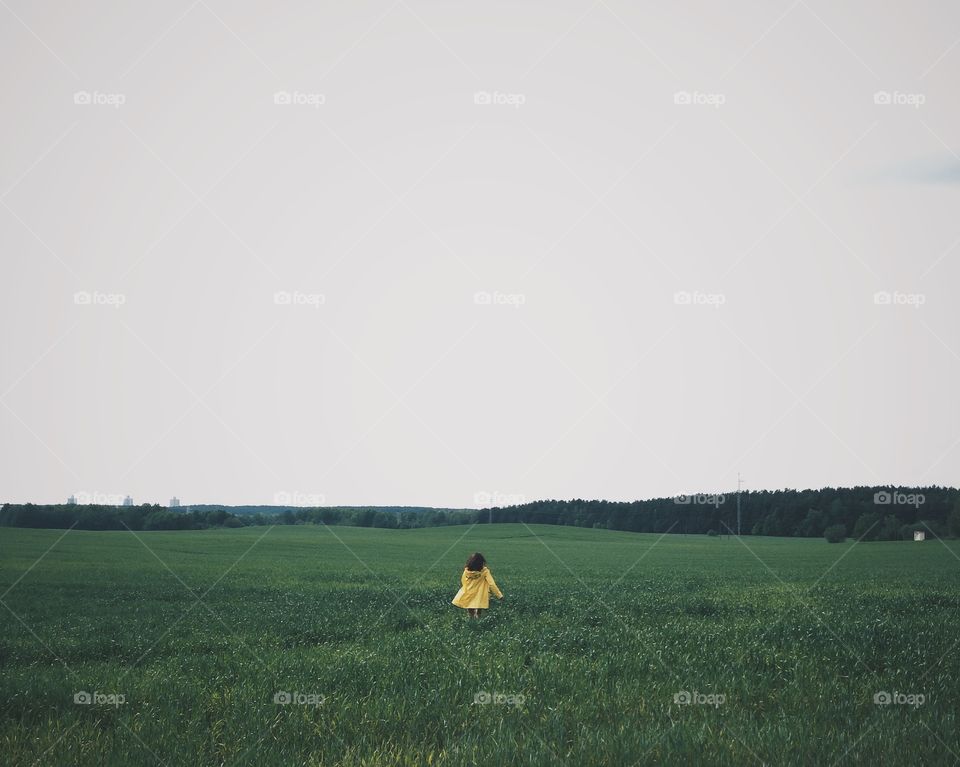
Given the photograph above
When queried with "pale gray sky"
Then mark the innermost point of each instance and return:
(412, 252)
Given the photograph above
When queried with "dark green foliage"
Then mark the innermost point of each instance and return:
(953, 521)
(835, 534)
(875, 513)
(795, 513)
(867, 527)
(889, 529)
(97, 517)
(153, 517)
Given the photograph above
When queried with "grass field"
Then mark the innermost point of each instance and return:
(780, 645)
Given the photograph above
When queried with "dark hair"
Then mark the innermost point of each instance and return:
(476, 562)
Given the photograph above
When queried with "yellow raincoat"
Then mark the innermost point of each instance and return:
(475, 588)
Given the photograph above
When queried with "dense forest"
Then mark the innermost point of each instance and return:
(867, 513)
(864, 513)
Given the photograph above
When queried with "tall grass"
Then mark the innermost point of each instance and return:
(781, 645)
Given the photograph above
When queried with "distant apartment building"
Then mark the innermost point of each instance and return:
(72, 500)
(128, 501)
(174, 503)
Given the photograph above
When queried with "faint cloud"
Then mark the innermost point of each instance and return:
(929, 170)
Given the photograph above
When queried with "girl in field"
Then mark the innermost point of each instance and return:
(476, 583)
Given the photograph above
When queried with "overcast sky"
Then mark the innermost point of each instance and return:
(442, 253)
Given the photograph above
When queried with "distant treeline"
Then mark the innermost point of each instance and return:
(277, 509)
(155, 517)
(870, 513)
(97, 517)
(867, 513)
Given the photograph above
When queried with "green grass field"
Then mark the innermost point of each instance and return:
(780, 645)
